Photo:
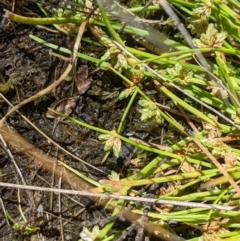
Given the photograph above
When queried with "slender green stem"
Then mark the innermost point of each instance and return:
(42, 21)
(168, 119)
(188, 107)
(64, 50)
(126, 111)
(108, 24)
(152, 166)
(137, 144)
(231, 86)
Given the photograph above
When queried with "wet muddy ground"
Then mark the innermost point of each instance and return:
(26, 68)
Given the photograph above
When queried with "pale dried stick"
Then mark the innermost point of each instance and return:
(217, 164)
(38, 95)
(199, 56)
(22, 146)
(190, 123)
(60, 209)
(56, 83)
(30, 196)
(13, 160)
(52, 141)
(127, 198)
(4, 212)
(178, 88)
(213, 159)
(40, 158)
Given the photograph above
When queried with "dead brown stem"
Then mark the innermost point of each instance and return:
(46, 162)
(56, 83)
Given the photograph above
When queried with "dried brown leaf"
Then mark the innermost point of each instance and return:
(81, 79)
(65, 106)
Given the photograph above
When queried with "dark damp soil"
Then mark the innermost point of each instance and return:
(26, 68)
